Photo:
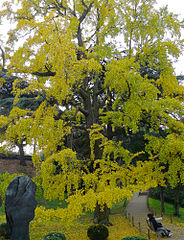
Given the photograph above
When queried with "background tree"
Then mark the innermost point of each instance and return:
(27, 102)
(91, 88)
(170, 153)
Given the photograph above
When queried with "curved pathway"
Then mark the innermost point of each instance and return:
(137, 208)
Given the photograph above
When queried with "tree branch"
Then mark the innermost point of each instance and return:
(86, 11)
(129, 90)
(3, 56)
(44, 74)
(83, 94)
(60, 6)
(75, 104)
(83, 111)
(83, 3)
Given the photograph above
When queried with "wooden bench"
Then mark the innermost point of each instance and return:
(159, 233)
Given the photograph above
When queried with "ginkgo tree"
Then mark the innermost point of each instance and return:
(99, 66)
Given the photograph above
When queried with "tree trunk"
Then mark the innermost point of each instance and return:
(91, 113)
(176, 201)
(21, 155)
(162, 200)
(101, 215)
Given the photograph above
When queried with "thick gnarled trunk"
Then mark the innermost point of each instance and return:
(101, 215)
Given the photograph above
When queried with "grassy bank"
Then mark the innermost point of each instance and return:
(169, 208)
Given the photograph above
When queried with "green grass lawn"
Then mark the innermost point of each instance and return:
(169, 208)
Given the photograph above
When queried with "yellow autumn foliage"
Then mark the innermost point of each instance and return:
(121, 228)
(70, 58)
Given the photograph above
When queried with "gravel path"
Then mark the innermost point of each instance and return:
(137, 208)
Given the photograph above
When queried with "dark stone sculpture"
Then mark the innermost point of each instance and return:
(20, 204)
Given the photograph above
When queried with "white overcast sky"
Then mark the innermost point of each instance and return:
(176, 6)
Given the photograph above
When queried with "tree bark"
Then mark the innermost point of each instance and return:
(21, 155)
(176, 201)
(101, 215)
(162, 200)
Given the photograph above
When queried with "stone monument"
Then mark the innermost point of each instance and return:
(20, 204)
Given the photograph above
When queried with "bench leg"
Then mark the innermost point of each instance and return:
(158, 236)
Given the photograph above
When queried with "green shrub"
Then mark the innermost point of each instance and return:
(4, 231)
(55, 236)
(134, 238)
(98, 232)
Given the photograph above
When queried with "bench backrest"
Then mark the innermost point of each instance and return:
(150, 225)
